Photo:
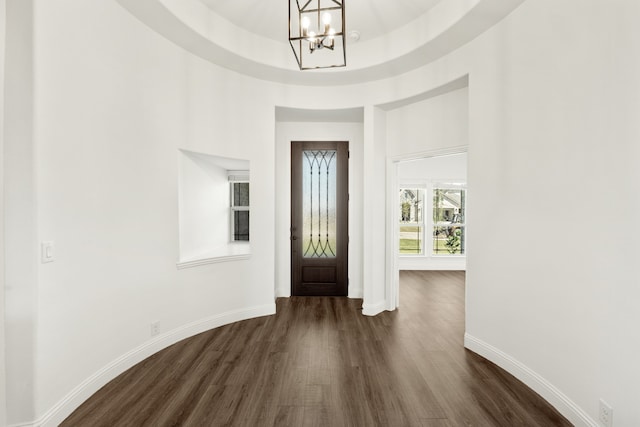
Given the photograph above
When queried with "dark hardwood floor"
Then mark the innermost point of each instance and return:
(320, 362)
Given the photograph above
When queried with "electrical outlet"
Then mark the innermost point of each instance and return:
(46, 252)
(155, 328)
(605, 415)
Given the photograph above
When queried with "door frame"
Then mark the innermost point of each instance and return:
(392, 284)
(342, 196)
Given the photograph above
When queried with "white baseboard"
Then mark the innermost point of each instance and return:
(544, 388)
(373, 309)
(88, 387)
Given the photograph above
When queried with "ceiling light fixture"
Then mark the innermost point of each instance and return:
(317, 33)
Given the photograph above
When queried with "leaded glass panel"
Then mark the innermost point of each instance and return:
(319, 203)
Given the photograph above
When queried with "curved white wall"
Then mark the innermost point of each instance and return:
(113, 104)
(553, 95)
(3, 377)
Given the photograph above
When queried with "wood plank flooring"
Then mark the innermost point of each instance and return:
(320, 362)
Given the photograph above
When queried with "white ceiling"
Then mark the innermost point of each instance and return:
(250, 36)
(372, 18)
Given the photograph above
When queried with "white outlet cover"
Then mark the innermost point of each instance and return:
(155, 328)
(605, 414)
(46, 252)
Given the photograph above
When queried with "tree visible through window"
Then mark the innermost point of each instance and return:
(411, 221)
(448, 221)
(446, 204)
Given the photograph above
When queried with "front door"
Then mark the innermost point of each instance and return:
(319, 218)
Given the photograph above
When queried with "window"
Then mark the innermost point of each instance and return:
(239, 210)
(448, 219)
(411, 221)
(444, 204)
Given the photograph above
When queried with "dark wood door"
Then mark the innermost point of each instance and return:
(319, 218)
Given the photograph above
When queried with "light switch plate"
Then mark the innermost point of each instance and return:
(46, 252)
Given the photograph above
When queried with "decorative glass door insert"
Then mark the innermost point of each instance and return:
(319, 203)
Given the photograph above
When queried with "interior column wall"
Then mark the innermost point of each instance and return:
(3, 376)
(374, 219)
(20, 213)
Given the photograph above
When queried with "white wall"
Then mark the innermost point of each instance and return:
(425, 172)
(553, 98)
(204, 207)
(452, 167)
(428, 125)
(312, 131)
(20, 244)
(376, 272)
(3, 376)
(111, 110)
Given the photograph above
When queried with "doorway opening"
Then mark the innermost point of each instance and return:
(428, 230)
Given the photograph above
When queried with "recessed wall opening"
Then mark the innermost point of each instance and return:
(437, 220)
(213, 208)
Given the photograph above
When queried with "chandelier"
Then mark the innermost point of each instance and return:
(317, 33)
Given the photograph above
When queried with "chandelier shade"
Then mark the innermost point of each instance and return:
(317, 33)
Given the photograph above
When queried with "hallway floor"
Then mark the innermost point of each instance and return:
(320, 362)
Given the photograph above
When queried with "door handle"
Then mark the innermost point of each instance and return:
(294, 238)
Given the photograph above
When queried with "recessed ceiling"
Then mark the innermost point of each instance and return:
(250, 36)
(372, 18)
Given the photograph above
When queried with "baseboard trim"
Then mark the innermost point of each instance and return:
(544, 388)
(373, 309)
(88, 387)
